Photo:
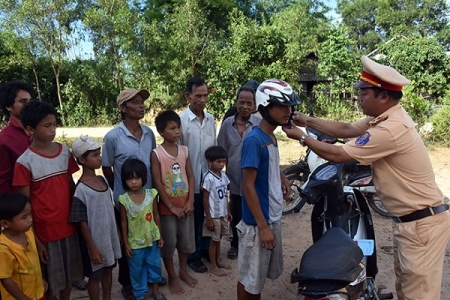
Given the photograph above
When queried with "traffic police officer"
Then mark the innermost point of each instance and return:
(402, 174)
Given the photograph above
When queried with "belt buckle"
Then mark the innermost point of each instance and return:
(396, 219)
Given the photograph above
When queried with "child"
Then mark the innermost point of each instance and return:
(43, 173)
(20, 274)
(215, 184)
(263, 188)
(140, 229)
(93, 210)
(174, 179)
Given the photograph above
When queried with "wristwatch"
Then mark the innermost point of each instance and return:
(302, 139)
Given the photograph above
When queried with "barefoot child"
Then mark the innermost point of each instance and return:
(20, 273)
(44, 174)
(174, 179)
(215, 184)
(140, 225)
(93, 210)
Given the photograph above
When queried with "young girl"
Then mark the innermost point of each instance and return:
(140, 229)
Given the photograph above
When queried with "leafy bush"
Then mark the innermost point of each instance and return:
(418, 108)
(441, 125)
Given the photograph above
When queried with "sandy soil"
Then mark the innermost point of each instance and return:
(297, 238)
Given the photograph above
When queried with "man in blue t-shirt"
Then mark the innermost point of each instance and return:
(263, 188)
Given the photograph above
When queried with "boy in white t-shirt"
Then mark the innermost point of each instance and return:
(215, 201)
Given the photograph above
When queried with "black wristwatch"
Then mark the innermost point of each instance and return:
(302, 139)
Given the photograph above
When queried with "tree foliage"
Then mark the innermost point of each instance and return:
(159, 44)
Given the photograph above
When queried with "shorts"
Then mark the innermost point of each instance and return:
(255, 263)
(64, 265)
(177, 233)
(221, 228)
(99, 273)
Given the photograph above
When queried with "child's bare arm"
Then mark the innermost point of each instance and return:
(124, 230)
(159, 186)
(230, 216)
(95, 255)
(157, 222)
(191, 179)
(209, 222)
(109, 175)
(13, 289)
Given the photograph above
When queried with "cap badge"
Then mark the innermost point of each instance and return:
(378, 120)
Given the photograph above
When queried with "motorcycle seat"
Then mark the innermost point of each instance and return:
(333, 261)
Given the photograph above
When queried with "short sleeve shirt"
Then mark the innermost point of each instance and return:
(50, 190)
(231, 141)
(197, 137)
(21, 264)
(120, 145)
(261, 153)
(217, 188)
(142, 229)
(402, 170)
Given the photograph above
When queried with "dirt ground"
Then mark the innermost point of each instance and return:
(296, 239)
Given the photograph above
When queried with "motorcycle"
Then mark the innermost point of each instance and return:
(342, 263)
(359, 177)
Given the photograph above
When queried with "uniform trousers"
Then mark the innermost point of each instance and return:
(419, 249)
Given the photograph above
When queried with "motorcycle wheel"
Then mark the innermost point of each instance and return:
(291, 200)
(375, 203)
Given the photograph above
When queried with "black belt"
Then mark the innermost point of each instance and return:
(420, 214)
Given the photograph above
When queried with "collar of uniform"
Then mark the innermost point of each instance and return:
(192, 116)
(213, 174)
(388, 111)
(128, 133)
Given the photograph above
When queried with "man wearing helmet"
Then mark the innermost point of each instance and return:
(264, 186)
(402, 174)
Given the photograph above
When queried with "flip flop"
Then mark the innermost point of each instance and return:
(197, 266)
(232, 253)
(127, 293)
(80, 285)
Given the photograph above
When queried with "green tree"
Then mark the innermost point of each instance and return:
(48, 24)
(422, 60)
(358, 16)
(427, 18)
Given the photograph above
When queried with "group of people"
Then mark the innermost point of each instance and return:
(154, 199)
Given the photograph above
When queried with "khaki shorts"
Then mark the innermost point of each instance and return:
(221, 229)
(177, 233)
(255, 263)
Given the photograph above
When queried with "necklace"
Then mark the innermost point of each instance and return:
(136, 195)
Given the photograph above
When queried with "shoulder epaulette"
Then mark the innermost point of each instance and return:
(378, 120)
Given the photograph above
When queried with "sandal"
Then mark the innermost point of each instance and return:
(80, 285)
(127, 293)
(232, 253)
(197, 266)
(159, 296)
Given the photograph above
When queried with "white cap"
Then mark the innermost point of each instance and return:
(84, 143)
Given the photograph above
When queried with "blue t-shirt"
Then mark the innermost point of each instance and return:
(259, 152)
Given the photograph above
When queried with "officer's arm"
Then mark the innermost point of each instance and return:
(331, 128)
(335, 154)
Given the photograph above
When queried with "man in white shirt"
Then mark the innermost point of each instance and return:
(198, 134)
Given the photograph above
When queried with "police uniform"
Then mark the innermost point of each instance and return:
(405, 182)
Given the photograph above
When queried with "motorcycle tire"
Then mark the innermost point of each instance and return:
(294, 198)
(375, 203)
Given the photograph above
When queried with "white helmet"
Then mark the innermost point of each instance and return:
(276, 91)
